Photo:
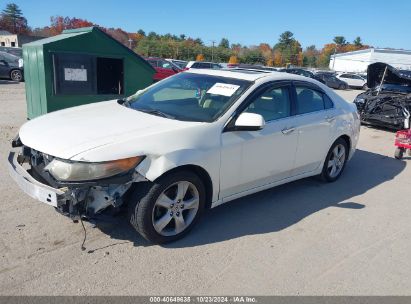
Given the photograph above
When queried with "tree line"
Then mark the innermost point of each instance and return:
(287, 50)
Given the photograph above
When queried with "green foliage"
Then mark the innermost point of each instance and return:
(289, 48)
(12, 19)
(199, 41)
(286, 39)
(224, 43)
(253, 56)
(12, 10)
(357, 42)
(340, 40)
(311, 55)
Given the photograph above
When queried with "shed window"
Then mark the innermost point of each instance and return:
(109, 76)
(78, 74)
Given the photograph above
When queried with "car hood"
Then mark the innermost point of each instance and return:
(375, 74)
(69, 133)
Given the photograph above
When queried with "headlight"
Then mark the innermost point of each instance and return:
(81, 171)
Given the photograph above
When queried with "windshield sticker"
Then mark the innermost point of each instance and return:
(224, 89)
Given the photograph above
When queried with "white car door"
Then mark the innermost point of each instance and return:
(357, 81)
(250, 159)
(347, 78)
(314, 123)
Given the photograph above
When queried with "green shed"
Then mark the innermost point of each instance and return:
(80, 66)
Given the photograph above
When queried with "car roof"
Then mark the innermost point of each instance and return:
(251, 74)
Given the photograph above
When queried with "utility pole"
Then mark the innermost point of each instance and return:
(335, 52)
(212, 51)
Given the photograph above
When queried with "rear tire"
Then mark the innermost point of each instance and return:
(163, 213)
(335, 161)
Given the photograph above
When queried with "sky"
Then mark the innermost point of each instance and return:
(379, 23)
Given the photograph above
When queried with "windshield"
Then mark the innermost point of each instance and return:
(190, 97)
(180, 64)
(394, 88)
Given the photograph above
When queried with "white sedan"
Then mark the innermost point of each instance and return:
(353, 80)
(192, 141)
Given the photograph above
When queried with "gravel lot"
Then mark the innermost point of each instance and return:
(351, 237)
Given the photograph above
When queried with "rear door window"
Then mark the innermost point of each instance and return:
(309, 100)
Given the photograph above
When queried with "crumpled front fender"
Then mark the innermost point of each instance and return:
(154, 166)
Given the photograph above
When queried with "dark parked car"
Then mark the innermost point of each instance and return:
(163, 68)
(11, 67)
(387, 102)
(12, 50)
(332, 81)
(302, 72)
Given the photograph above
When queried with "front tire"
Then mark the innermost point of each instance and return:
(167, 209)
(335, 161)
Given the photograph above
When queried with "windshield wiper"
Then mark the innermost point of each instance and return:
(156, 112)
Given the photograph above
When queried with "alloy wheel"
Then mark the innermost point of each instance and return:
(16, 75)
(175, 208)
(336, 161)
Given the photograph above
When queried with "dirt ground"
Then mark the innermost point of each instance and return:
(351, 237)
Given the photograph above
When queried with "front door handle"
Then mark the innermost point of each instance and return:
(287, 131)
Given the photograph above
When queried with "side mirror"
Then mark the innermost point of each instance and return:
(249, 122)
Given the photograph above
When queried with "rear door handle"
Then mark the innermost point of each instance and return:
(330, 118)
(287, 131)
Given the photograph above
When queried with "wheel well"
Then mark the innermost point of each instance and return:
(204, 176)
(347, 140)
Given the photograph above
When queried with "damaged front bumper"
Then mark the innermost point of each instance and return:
(74, 200)
(31, 186)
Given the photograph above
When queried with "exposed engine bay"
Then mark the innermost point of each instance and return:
(388, 101)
